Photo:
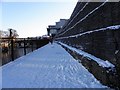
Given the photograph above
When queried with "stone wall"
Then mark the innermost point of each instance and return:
(88, 29)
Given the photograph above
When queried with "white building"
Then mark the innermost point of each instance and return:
(61, 23)
(53, 29)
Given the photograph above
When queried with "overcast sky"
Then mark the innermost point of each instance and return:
(31, 19)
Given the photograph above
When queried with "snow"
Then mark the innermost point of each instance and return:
(48, 67)
(116, 27)
(103, 63)
(0, 78)
(116, 51)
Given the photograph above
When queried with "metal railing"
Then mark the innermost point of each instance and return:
(13, 48)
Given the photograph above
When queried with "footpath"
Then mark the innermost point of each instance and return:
(47, 67)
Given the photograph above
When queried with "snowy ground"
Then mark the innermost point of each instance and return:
(48, 67)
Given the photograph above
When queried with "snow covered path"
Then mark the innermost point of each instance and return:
(48, 67)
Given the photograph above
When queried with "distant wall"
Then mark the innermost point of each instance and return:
(91, 16)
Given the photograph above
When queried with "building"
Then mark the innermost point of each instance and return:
(53, 29)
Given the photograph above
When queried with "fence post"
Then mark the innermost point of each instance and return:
(12, 49)
(36, 43)
(12, 46)
(32, 45)
(24, 47)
